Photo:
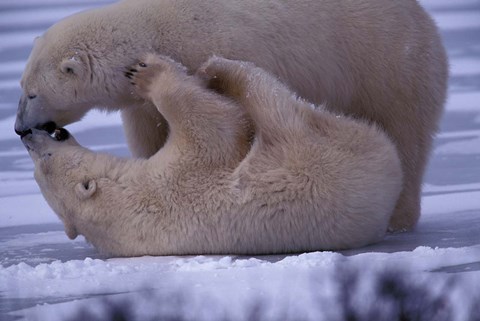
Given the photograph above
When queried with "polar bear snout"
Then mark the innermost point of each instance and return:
(38, 140)
(48, 127)
(33, 139)
(28, 116)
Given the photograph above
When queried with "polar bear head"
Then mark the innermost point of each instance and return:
(57, 175)
(74, 66)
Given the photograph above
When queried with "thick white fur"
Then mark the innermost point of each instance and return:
(376, 60)
(310, 181)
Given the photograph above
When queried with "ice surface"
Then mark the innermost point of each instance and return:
(46, 276)
(459, 20)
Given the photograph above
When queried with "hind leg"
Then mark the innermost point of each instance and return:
(414, 159)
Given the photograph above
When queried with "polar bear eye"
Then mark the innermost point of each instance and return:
(32, 96)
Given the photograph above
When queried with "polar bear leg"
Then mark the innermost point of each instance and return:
(145, 130)
(414, 161)
(199, 119)
(271, 105)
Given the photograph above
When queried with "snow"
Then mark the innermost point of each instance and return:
(458, 20)
(17, 39)
(464, 101)
(40, 16)
(465, 67)
(46, 276)
(467, 147)
(12, 67)
(237, 283)
(446, 4)
(25, 209)
(451, 203)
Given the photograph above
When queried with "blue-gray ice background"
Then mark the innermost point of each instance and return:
(38, 264)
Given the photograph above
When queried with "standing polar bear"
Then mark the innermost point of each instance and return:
(310, 180)
(377, 60)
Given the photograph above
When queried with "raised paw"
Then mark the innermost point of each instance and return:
(149, 70)
(229, 77)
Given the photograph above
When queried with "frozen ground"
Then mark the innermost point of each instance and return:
(45, 276)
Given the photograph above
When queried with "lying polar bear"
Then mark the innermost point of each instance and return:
(310, 180)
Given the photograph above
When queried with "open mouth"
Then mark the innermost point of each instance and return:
(24, 133)
(59, 134)
(49, 127)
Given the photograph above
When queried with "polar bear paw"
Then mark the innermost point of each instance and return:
(153, 69)
(228, 77)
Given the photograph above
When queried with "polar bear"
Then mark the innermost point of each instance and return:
(376, 60)
(309, 180)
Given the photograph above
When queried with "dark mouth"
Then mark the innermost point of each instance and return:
(49, 127)
(23, 133)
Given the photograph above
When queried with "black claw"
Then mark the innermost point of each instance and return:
(128, 74)
(133, 83)
(133, 70)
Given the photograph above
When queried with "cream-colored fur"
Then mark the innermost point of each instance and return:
(309, 181)
(376, 60)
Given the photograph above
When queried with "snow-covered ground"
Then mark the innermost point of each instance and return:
(45, 276)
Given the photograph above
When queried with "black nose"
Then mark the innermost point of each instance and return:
(23, 133)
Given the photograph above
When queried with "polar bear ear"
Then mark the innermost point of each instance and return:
(72, 66)
(86, 190)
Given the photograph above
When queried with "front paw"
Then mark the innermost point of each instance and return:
(149, 70)
(226, 76)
